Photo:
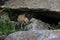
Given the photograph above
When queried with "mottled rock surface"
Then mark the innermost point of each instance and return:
(53, 5)
(35, 35)
(2, 37)
(4, 15)
(37, 25)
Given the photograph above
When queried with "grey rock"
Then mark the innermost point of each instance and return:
(37, 25)
(48, 4)
(4, 15)
(2, 37)
(35, 35)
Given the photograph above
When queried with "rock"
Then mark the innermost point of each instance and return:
(5, 15)
(2, 37)
(35, 35)
(37, 25)
(35, 4)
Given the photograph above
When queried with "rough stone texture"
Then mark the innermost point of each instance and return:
(48, 4)
(4, 15)
(37, 25)
(35, 35)
(2, 37)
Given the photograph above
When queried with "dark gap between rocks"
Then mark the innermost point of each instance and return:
(47, 16)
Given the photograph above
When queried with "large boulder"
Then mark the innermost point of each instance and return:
(48, 4)
(35, 35)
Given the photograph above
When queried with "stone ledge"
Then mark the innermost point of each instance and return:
(48, 4)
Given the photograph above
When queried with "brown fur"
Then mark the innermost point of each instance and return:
(23, 18)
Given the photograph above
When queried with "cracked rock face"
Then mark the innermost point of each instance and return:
(35, 35)
(53, 5)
